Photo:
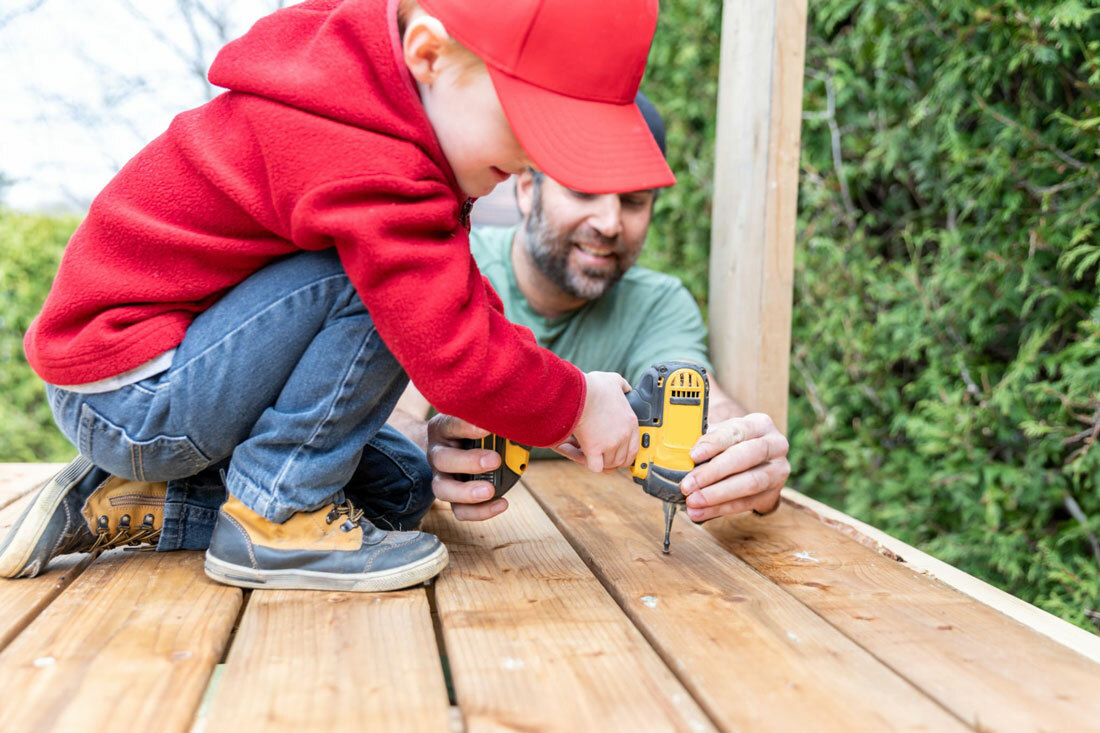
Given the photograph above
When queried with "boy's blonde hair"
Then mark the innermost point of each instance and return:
(469, 62)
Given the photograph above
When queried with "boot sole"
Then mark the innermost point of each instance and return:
(414, 573)
(18, 547)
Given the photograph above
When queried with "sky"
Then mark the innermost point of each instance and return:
(89, 84)
(86, 84)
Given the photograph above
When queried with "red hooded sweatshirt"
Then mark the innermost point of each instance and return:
(321, 141)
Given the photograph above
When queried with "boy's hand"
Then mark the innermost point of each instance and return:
(446, 457)
(607, 434)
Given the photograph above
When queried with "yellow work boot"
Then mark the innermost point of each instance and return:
(332, 548)
(82, 509)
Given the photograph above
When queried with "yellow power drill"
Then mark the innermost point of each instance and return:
(670, 402)
(514, 458)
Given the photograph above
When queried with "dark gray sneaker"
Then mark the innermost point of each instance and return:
(333, 548)
(82, 509)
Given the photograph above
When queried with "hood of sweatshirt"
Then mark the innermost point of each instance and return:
(316, 56)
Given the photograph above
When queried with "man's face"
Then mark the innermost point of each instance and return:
(581, 242)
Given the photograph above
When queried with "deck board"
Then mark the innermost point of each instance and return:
(785, 622)
(134, 638)
(21, 601)
(755, 657)
(534, 641)
(19, 479)
(991, 670)
(370, 660)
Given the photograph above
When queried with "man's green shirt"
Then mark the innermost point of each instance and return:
(645, 318)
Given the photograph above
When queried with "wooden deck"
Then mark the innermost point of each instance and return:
(561, 614)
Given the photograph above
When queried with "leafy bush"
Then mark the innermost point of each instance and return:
(682, 80)
(30, 249)
(946, 364)
(945, 377)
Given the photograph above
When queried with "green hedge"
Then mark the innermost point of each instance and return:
(946, 365)
(30, 249)
(945, 380)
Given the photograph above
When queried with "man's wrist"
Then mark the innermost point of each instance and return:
(412, 427)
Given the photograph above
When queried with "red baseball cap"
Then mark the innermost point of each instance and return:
(566, 73)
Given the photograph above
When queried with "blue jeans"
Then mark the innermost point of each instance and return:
(284, 384)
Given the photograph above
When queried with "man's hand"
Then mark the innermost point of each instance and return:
(467, 498)
(746, 469)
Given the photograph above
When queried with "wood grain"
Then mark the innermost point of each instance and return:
(19, 479)
(1081, 641)
(134, 638)
(534, 641)
(329, 661)
(755, 199)
(990, 670)
(752, 655)
(23, 599)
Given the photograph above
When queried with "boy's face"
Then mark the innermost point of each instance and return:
(473, 131)
(463, 109)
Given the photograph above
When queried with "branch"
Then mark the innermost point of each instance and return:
(27, 9)
(195, 62)
(834, 133)
(1034, 137)
(811, 387)
(1075, 511)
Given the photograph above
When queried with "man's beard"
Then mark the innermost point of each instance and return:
(550, 252)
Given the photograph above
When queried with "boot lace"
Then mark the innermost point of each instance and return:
(143, 537)
(351, 515)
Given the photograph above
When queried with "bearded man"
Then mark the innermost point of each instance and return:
(568, 273)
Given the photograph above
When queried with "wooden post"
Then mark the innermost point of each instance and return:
(755, 199)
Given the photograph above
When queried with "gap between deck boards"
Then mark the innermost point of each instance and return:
(819, 653)
(656, 643)
(457, 720)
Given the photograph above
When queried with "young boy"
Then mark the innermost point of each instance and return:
(247, 296)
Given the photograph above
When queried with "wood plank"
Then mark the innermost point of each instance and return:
(329, 661)
(22, 600)
(202, 716)
(755, 199)
(990, 670)
(19, 479)
(1078, 639)
(752, 655)
(533, 640)
(134, 638)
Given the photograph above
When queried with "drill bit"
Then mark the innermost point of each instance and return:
(670, 514)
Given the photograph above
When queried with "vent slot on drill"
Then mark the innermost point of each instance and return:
(685, 396)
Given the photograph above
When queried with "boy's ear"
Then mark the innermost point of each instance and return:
(425, 42)
(525, 184)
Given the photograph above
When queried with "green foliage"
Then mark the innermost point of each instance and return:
(946, 363)
(945, 380)
(30, 249)
(682, 80)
